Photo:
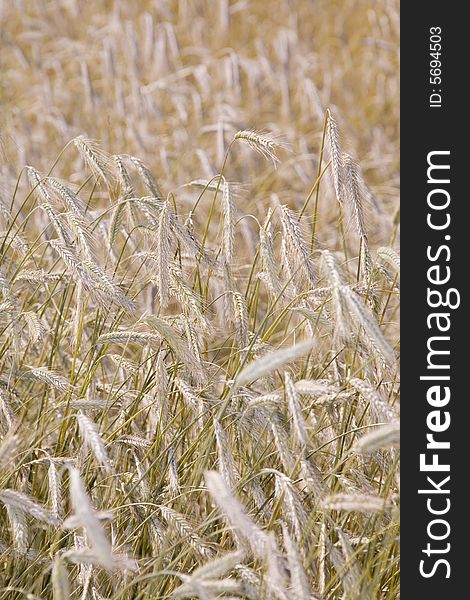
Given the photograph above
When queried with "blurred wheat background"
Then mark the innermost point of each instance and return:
(199, 286)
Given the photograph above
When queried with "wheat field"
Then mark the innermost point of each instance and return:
(199, 300)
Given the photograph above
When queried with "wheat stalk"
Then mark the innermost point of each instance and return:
(60, 580)
(382, 437)
(355, 502)
(264, 143)
(299, 584)
(162, 253)
(229, 220)
(98, 161)
(91, 437)
(296, 252)
(272, 361)
(336, 157)
(251, 534)
(87, 518)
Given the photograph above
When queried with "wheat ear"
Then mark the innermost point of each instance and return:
(264, 143)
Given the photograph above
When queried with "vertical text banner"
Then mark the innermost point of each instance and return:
(435, 249)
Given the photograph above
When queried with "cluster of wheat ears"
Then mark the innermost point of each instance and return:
(208, 432)
(199, 380)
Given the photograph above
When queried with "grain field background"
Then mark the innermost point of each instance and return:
(199, 295)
